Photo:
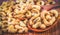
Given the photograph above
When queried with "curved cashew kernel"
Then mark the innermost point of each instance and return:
(20, 31)
(48, 23)
(19, 16)
(48, 17)
(36, 25)
(23, 29)
(29, 6)
(26, 29)
(12, 21)
(16, 6)
(42, 26)
(34, 16)
(3, 14)
(52, 20)
(16, 11)
(54, 12)
(22, 24)
(21, 3)
(43, 13)
(17, 27)
(35, 12)
(25, 21)
(30, 2)
(9, 14)
(36, 7)
(37, 19)
(31, 20)
(28, 14)
(40, 3)
(22, 11)
(12, 29)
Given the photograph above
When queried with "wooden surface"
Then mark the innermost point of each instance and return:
(54, 31)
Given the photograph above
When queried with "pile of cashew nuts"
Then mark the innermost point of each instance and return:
(46, 18)
(16, 15)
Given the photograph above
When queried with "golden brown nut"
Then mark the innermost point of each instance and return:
(17, 27)
(48, 17)
(36, 25)
(26, 29)
(50, 22)
(28, 14)
(43, 13)
(20, 31)
(12, 29)
(22, 24)
(54, 12)
(42, 26)
(40, 3)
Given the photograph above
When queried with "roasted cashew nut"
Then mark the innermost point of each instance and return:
(28, 14)
(22, 24)
(18, 27)
(45, 20)
(48, 17)
(23, 9)
(11, 29)
(44, 13)
(20, 16)
(12, 21)
(42, 26)
(20, 31)
(20, 8)
(30, 2)
(3, 13)
(25, 21)
(35, 14)
(36, 25)
(40, 3)
(23, 29)
(31, 20)
(36, 7)
(54, 12)
(50, 22)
